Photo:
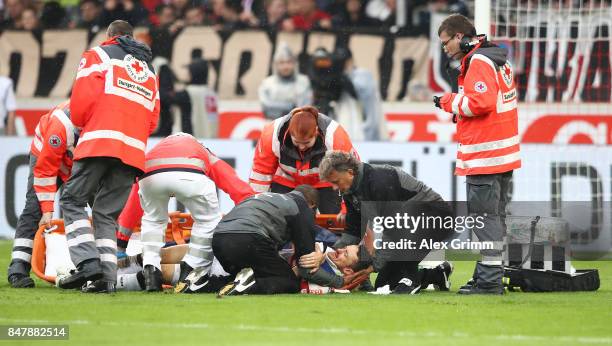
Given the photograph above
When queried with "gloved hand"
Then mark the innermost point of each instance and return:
(443, 102)
(436, 101)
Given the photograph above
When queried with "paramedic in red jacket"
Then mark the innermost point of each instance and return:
(289, 152)
(485, 109)
(182, 167)
(50, 164)
(115, 102)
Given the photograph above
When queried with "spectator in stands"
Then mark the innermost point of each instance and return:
(194, 16)
(352, 16)
(165, 15)
(29, 19)
(53, 15)
(166, 78)
(13, 11)
(275, 13)
(285, 89)
(90, 16)
(198, 103)
(368, 97)
(393, 18)
(163, 34)
(226, 14)
(7, 106)
(180, 7)
(129, 10)
(247, 16)
(151, 7)
(438, 6)
(307, 17)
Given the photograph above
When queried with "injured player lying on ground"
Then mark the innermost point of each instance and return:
(340, 262)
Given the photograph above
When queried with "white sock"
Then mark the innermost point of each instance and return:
(128, 282)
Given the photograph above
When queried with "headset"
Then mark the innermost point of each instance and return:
(467, 43)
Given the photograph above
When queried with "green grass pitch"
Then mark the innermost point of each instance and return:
(431, 318)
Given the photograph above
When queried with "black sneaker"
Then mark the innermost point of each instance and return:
(479, 290)
(468, 285)
(88, 270)
(405, 286)
(152, 278)
(20, 281)
(196, 282)
(243, 284)
(186, 269)
(99, 286)
(445, 269)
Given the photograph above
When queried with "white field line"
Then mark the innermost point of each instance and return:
(336, 330)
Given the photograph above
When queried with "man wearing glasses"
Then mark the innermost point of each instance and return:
(485, 110)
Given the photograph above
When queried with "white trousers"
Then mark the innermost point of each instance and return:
(198, 194)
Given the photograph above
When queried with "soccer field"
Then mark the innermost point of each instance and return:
(431, 318)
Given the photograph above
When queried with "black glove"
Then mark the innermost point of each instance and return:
(436, 101)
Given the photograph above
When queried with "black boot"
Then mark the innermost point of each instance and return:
(185, 270)
(472, 281)
(99, 286)
(489, 280)
(152, 278)
(406, 286)
(181, 284)
(19, 275)
(88, 270)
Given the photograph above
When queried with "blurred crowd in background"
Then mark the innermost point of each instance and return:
(331, 81)
(172, 16)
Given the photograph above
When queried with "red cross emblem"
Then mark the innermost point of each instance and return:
(507, 71)
(480, 87)
(55, 141)
(507, 75)
(137, 67)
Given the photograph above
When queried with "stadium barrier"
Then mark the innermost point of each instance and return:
(551, 173)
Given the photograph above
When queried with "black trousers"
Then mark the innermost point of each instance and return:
(329, 200)
(27, 225)
(404, 263)
(236, 251)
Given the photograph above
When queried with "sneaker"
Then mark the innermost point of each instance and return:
(152, 278)
(468, 285)
(445, 269)
(243, 284)
(19, 274)
(196, 282)
(479, 290)
(19, 280)
(181, 285)
(405, 286)
(88, 270)
(99, 286)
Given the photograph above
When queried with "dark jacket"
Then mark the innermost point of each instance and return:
(281, 218)
(381, 183)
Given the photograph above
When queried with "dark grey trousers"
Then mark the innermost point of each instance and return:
(27, 225)
(488, 194)
(107, 181)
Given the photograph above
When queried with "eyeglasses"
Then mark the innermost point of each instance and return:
(446, 42)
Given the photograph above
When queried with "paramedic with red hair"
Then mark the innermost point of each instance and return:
(289, 152)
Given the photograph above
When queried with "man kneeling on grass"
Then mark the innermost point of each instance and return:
(249, 237)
